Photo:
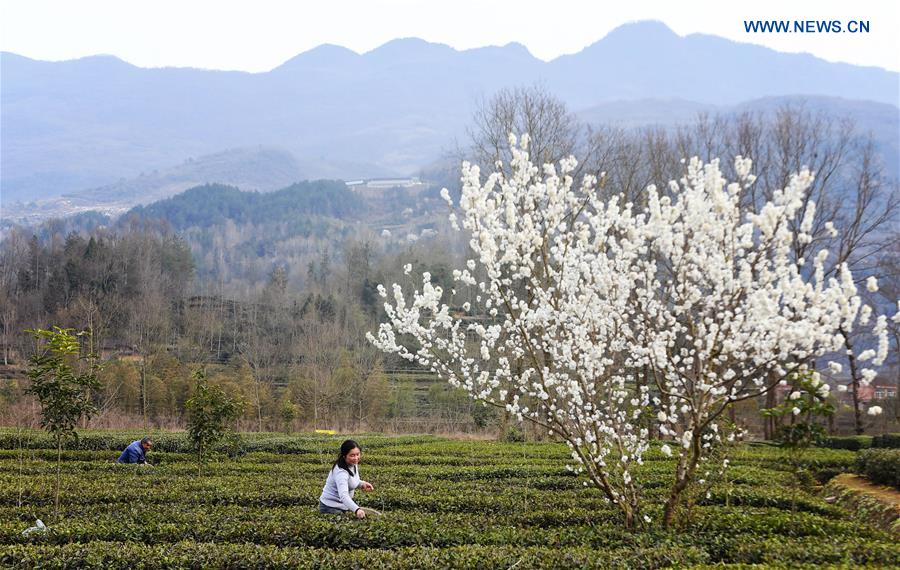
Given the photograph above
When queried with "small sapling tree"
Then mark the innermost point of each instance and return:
(806, 405)
(62, 380)
(288, 412)
(209, 412)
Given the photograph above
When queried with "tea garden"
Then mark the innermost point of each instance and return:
(444, 503)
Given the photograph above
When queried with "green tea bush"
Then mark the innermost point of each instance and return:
(96, 441)
(887, 440)
(880, 466)
(850, 551)
(514, 434)
(211, 555)
(852, 442)
(458, 504)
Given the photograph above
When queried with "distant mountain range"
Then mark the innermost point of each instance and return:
(271, 168)
(331, 113)
(260, 168)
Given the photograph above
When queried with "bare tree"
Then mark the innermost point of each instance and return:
(258, 348)
(148, 321)
(319, 350)
(554, 132)
(889, 293)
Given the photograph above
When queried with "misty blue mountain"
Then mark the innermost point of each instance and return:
(92, 123)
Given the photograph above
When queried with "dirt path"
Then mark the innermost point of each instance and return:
(873, 504)
(882, 493)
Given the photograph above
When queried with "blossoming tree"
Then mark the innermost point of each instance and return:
(577, 294)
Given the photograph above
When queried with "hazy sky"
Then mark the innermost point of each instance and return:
(260, 35)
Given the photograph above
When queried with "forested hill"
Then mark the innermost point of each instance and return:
(236, 237)
(214, 204)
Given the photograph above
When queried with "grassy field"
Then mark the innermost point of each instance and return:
(445, 503)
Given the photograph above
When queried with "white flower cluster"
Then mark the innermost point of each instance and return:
(582, 293)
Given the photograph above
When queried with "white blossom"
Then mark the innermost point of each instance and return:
(867, 376)
(866, 355)
(684, 282)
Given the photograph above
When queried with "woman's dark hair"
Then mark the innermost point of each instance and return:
(346, 448)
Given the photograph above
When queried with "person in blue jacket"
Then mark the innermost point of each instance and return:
(136, 452)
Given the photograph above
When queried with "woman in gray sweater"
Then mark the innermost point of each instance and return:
(342, 482)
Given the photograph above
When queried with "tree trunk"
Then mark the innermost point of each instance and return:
(144, 391)
(258, 408)
(20, 455)
(769, 421)
(897, 405)
(672, 502)
(506, 417)
(683, 476)
(854, 376)
(857, 417)
(58, 465)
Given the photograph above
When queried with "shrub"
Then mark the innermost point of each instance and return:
(206, 555)
(853, 442)
(209, 412)
(514, 434)
(887, 440)
(880, 466)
